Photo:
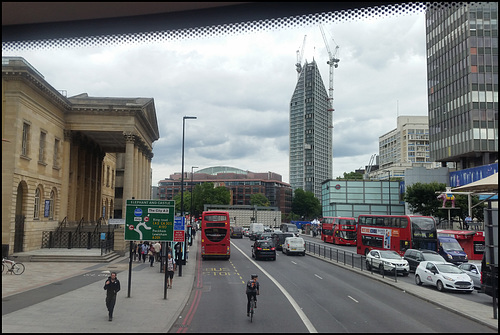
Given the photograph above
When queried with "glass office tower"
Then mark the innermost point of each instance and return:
(311, 155)
(462, 73)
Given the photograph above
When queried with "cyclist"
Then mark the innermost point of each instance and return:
(252, 290)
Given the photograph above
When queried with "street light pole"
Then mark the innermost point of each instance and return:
(182, 182)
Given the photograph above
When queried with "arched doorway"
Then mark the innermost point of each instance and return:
(19, 220)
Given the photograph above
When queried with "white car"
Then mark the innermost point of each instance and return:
(445, 276)
(294, 245)
(474, 272)
(387, 261)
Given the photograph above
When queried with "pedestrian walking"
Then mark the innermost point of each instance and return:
(157, 251)
(112, 287)
(139, 251)
(468, 222)
(151, 254)
(144, 252)
(170, 270)
(134, 250)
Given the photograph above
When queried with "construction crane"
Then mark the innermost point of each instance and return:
(300, 54)
(334, 63)
(369, 167)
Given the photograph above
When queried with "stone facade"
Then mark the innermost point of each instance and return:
(59, 155)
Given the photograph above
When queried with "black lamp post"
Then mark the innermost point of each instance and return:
(182, 183)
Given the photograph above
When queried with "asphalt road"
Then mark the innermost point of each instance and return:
(305, 294)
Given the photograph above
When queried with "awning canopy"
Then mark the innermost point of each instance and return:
(485, 185)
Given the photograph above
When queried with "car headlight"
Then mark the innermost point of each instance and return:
(449, 256)
(448, 278)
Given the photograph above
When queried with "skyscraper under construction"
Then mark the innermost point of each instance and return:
(311, 152)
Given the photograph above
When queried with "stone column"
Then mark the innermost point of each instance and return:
(128, 175)
(66, 157)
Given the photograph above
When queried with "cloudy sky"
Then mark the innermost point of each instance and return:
(239, 88)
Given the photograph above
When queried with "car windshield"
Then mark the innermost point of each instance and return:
(265, 244)
(451, 246)
(448, 268)
(389, 254)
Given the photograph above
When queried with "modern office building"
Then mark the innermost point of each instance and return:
(311, 147)
(242, 184)
(462, 74)
(404, 147)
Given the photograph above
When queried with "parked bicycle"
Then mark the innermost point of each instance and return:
(12, 266)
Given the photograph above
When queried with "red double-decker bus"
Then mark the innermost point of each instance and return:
(215, 234)
(338, 230)
(396, 232)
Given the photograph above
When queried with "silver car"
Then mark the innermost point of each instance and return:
(474, 271)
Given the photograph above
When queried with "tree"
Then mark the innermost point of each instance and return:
(422, 199)
(259, 199)
(206, 193)
(305, 204)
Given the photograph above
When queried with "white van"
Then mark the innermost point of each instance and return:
(294, 245)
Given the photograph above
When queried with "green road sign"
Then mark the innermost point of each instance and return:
(149, 220)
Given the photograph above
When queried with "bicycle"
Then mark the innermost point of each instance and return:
(252, 306)
(12, 266)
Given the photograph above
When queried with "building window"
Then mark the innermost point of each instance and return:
(41, 151)
(52, 205)
(56, 153)
(107, 176)
(36, 209)
(26, 138)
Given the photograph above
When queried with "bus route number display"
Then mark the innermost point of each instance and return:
(149, 220)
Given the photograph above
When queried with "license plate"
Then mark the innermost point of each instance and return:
(265, 249)
(294, 248)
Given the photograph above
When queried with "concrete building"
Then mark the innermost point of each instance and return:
(404, 147)
(462, 74)
(60, 155)
(311, 147)
(242, 184)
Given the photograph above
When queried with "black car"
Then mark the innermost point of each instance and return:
(236, 232)
(264, 249)
(279, 238)
(414, 257)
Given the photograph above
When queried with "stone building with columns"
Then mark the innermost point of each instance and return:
(68, 159)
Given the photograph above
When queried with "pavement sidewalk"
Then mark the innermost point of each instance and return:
(83, 310)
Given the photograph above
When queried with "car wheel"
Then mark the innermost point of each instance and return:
(304, 253)
(368, 266)
(405, 274)
(381, 269)
(440, 286)
(417, 280)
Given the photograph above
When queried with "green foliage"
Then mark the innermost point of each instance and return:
(305, 204)
(203, 194)
(422, 199)
(351, 176)
(259, 199)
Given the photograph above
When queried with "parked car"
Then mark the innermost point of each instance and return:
(279, 237)
(445, 276)
(387, 261)
(264, 249)
(236, 232)
(474, 272)
(294, 245)
(414, 257)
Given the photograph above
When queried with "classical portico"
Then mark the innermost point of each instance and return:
(125, 126)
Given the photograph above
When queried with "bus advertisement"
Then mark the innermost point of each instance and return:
(215, 234)
(396, 232)
(338, 230)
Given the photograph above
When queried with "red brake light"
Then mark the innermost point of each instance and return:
(259, 248)
(273, 248)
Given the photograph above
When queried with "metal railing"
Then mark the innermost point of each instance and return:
(345, 257)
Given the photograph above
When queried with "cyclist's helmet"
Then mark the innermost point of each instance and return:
(255, 276)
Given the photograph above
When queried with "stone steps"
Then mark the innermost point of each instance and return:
(54, 258)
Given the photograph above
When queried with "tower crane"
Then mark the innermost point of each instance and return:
(333, 62)
(300, 54)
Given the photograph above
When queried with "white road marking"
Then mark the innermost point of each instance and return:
(294, 304)
(353, 299)
(318, 276)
